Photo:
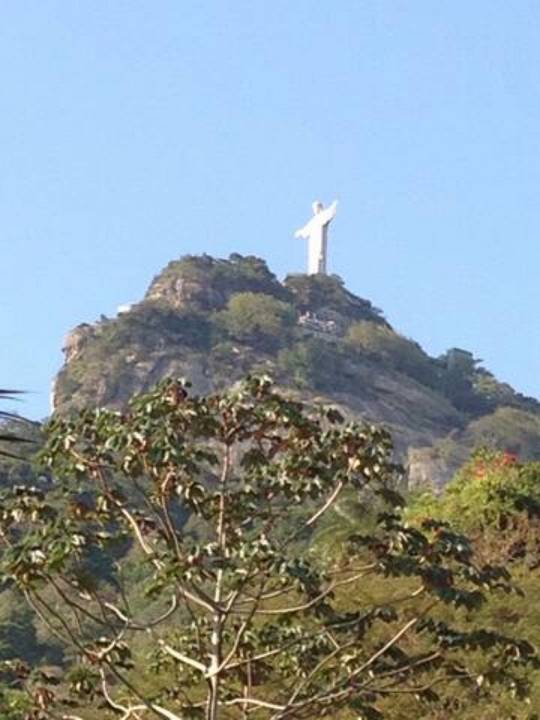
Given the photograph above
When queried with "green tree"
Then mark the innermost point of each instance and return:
(257, 318)
(314, 293)
(397, 351)
(317, 363)
(244, 617)
(496, 499)
(493, 496)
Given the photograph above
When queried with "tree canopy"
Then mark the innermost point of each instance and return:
(401, 353)
(212, 504)
(257, 317)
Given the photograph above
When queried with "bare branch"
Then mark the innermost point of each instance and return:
(253, 701)
(181, 657)
(314, 601)
(313, 519)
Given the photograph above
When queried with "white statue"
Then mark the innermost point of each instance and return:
(316, 231)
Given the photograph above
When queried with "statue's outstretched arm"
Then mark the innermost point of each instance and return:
(303, 233)
(329, 213)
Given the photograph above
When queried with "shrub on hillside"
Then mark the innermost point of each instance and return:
(150, 324)
(497, 499)
(313, 293)
(207, 283)
(318, 364)
(397, 351)
(507, 429)
(257, 318)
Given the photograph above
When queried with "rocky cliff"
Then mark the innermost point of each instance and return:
(213, 321)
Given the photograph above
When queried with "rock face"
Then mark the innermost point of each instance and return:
(75, 341)
(204, 283)
(180, 292)
(313, 336)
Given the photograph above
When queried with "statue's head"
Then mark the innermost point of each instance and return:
(317, 207)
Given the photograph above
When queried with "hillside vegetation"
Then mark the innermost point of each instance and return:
(215, 321)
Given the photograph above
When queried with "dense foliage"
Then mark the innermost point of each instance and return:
(495, 498)
(112, 554)
(317, 364)
(313, 293)
(384, 344)
(493, 495)
(258, 318)
(208, 283)
(177, 557)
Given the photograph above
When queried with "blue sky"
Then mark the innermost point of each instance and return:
(133, 132)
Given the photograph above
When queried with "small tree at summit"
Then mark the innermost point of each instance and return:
(256, 317)
(242, 618)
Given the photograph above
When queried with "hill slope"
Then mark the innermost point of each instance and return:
(213, 321)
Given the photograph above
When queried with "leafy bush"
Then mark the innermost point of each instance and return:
(402, 354)
(317, 364)
(214, 280)
(257, 318)
(459, 388)
(492, 494)
(315, 292)
(150, 324)
(516, 431)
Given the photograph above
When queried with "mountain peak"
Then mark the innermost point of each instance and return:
(215, 320)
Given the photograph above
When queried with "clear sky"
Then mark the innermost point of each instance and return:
(135, 131)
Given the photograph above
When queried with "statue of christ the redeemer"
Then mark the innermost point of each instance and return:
(316, 231)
